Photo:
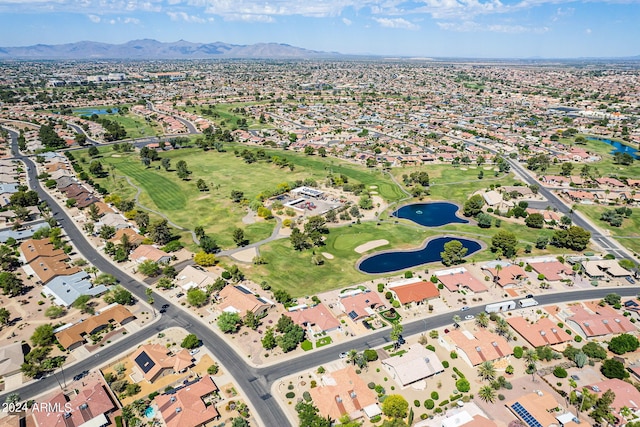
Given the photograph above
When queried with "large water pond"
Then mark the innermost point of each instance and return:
(618, 147)
(430, 214)
(97, 111)
(387, 262)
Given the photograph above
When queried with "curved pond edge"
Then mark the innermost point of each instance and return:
(457, 213)
(483, 246)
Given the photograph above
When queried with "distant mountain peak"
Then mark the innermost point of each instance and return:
(154, 49)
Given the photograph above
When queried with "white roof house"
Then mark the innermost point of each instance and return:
(416, 364)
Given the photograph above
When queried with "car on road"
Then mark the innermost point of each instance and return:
(163, 310)
(630, 280)
(343, 355)
(529, 296)
(469, 317)
(401, 340)
(465, 308)
(81, 375)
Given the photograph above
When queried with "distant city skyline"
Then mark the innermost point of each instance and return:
(415, 28)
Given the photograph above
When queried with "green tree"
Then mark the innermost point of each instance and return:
(166, 163)
(5, 316)
(237, 196)
(197, 297)
(238, 237)
(482, 320)
(594, 350)
(535, 220)
(269, 339)
(602, 410)
(473, 205)
(190, 341)
(182, 170)
(251, 320)
(149, 268)
(55, 311)
(453, 253)
(624, 343)
(575, 238)
(299, 240)
(396, 331)
(119, 295)
(611, 368)
(160, 232)
(11, 284)
(43, 336)
(82, 304)
(142, 219)
(395, 406)
(229, 322)
(504, 241)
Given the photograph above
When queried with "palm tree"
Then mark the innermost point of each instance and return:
(502, 327)
(352, 356)
(487, 393)
(482, 320)
(495, 276)
(530, 358)
(487, 371)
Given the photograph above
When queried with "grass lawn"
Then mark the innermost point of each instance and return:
(136, 126)
(323, 341)
(226, 118)
(605, 166)
(628, 235)
(186, 206)
(306, 345)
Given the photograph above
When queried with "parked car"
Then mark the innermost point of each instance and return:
(446, 331)
(343, 355)
(529, 295)
(469, 317)
(465, 308)
(194, 351)
(630, 280)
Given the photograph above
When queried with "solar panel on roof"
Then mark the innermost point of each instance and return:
(525, 415)
(353, 315)
(243, 290)
(144, 362)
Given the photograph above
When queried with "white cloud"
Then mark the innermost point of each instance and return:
(396, 23)
(94, 18)
(249, 17)
(471, 26)
(183, 16)
(346, 21)
(588, 31)
(127, 20)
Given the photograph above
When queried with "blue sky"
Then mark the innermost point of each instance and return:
(422, 28)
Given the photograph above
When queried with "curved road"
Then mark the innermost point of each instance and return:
(255, 382)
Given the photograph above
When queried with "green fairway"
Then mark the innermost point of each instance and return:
(628, 234)
(223, 172)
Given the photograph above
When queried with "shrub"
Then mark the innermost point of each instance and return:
(453, 355)
(380, 287)
(375, 418)
(370, 355)
(306, 396)
(416, 403)
(435, 395)
(388, 295)
(463, 385)
(560, 372)
(213, 369)
(444, 402)
(445, 364)
(371, 385)
(314, 384)
(379, 389)
(395, 304)
(429, 404)
(501, 397)
(518, 352)
(290, 387)
(578, 338)
(290, 395)
(430, 347)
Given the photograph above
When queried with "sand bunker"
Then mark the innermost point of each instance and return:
(327, 255)
(246, 255)
(371, 245)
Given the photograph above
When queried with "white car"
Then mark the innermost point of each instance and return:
(194, 351)
(469, 317)
(465, 308)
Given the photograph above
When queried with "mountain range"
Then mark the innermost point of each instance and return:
(153, 49)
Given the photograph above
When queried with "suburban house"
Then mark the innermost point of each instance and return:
(626, 395)
(507, 276)
(455, 279)
(193, 276)
(73, 335)
(494, 200)
(44, 261)
(11, 359)
(153, 361)
(149, 253)
(552, 270)
(91, 406)
(343, 392)
(540, 409)
(478, 346)
(135, 239)
(598, 321)
(360, 305)
(414, 292)
(187, 406)
(112, 219)
(416, 364)
(465, 418)
(540, 333)
(315, 320)
(66, 289)
(240, 299)
(599, 269)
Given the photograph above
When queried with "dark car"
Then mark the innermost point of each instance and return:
(165, 305)
(529, 295)
(630, 280)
